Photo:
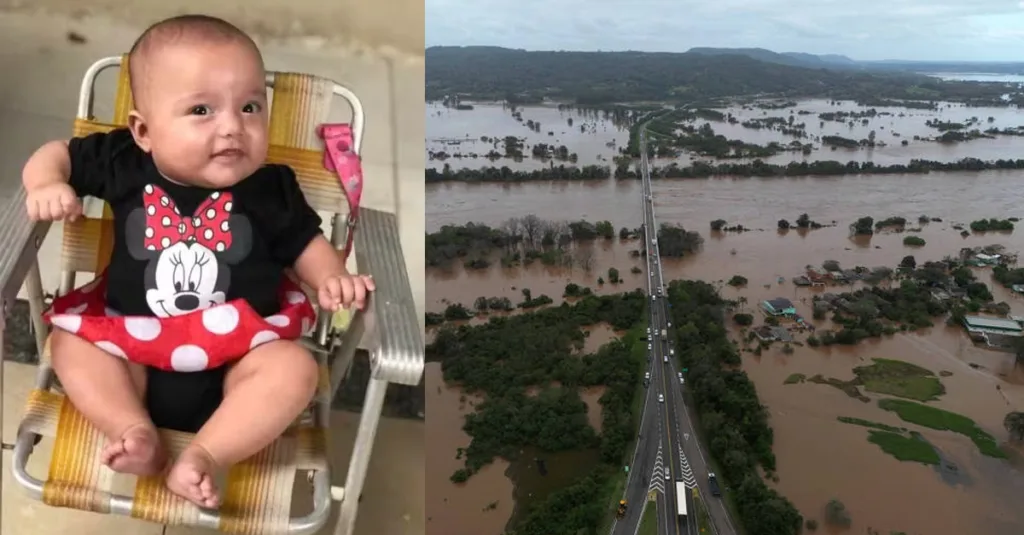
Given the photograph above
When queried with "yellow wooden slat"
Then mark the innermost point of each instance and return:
(257, 491)
(123, 102)
(74, 475)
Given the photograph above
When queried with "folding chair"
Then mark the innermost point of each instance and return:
(258, 494)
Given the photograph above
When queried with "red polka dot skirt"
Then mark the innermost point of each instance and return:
(200, 340)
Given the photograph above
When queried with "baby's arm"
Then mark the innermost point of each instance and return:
(319, 262)
(297, 242)
(50, 164)
(45, 176)
(320, 266)
(60, 173)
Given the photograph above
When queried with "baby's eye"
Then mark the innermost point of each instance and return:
(252, 107)
(201, 109)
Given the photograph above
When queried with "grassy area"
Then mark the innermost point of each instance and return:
(901, 379)
(942, 420)
(703, 518)
(649, 520)
(897, 441)
(912, 448)
(795, 378)
(887, 376)
(869, 423)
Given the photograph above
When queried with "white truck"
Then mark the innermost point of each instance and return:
(681, 498)
(664, 333)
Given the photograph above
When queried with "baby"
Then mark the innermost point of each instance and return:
(202, 229)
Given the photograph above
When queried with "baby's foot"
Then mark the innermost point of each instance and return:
(191, 477)
(138, 451)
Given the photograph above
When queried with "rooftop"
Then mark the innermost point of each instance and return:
(992, 323)
(780, 302)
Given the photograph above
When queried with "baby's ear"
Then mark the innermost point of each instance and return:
(139, 129)
(241, 240)
(135, 236)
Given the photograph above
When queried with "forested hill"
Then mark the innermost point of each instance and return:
(493, 73)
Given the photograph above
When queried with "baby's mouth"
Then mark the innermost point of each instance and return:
(229, 154)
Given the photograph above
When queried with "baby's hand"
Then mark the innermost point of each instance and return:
(343, 291)
(53, 202)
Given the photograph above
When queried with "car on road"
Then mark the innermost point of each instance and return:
(661, 398)
(649, 347)
(681, 380)
(666, 359)
(713, 483)
(647, 375)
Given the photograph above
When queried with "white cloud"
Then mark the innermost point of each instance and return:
(863, 29)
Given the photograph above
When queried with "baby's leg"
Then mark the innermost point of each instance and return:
(263, 394)
(108, 391)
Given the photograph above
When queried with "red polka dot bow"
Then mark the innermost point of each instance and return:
(165, 225)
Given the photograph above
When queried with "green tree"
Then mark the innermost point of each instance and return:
(1014, 424)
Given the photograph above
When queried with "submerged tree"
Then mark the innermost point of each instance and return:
(1014, 424)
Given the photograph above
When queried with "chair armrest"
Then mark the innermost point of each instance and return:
(399, 356)
(20, 240)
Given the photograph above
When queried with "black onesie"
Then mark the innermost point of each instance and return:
(141, 281)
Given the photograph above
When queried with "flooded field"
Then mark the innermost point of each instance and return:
(596, 138)
(592, 135)
(819, 458)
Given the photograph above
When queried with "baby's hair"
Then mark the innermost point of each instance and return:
(199, 28)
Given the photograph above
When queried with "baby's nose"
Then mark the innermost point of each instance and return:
(230, 124)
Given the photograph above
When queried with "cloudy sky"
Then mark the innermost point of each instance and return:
(985, 30)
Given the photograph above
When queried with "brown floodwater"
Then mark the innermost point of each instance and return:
(459, 132)
(819, 458)
(483, 504)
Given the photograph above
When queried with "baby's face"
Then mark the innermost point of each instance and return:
(205, 113)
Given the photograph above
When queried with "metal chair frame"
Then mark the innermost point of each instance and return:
(389, 322)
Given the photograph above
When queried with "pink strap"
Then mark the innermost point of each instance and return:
(340, 157)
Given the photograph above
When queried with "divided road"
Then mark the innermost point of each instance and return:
(667, 449)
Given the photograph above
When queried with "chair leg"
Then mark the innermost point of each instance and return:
(34, 289)
(373, 405)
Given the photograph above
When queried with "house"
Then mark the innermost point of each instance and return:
(780, 306)
(816, 274)
(987, 260)
(767, 333)
(995, 332)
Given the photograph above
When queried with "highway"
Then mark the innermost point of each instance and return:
(667, 449)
